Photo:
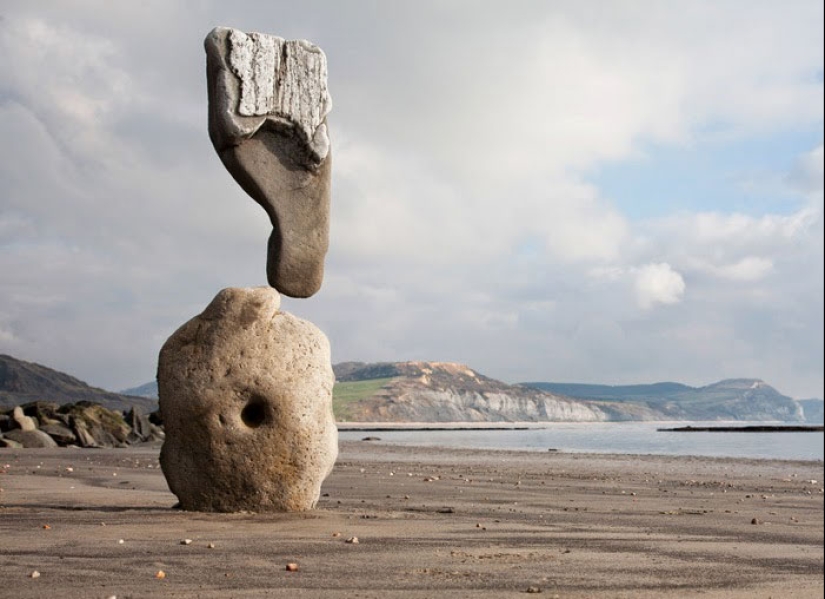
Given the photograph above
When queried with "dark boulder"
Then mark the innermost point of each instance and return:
(9, 444)
(61, 433)
(140, 425)
(96, 426)
(31, 439)
(42, 411)
(156, 418)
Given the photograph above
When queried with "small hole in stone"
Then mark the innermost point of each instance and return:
(254, 413)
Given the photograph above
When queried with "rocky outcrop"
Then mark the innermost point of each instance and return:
(450, 392)
(84, 424)
(731, 399)
(423, 405)
(268, 103)
(246, 398)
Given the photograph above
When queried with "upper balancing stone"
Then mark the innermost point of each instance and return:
(268, 106)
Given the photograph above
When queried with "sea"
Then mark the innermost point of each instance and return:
(619, 437)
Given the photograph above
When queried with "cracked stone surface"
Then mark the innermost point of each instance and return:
(245, 391)
(268, 105)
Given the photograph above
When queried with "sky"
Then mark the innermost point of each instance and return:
(596, 192)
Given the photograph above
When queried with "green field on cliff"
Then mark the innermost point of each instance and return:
(345, 394)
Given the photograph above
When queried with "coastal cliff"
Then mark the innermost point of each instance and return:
(450, 392)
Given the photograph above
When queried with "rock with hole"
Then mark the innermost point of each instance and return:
(245, 391)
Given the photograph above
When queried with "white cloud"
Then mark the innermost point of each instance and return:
(658, 284)
(751, 268)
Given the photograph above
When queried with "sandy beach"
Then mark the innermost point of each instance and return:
(429, 523)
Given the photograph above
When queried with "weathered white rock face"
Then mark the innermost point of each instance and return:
(268, 104)
(245, 391)
(260, 78)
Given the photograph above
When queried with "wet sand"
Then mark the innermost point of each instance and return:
(430, 523)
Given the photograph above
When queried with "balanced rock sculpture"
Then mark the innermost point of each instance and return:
(268, 103)
(246, 396)
(245, 390)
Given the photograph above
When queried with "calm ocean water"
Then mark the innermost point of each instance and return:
(619, 437)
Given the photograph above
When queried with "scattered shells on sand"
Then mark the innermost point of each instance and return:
(353, 540)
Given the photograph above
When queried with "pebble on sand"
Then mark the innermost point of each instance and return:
(160, 575)
(292, 567)
(186, 542)
(34, 574)
(353, 540)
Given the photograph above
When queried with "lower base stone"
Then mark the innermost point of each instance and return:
(245, 392)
